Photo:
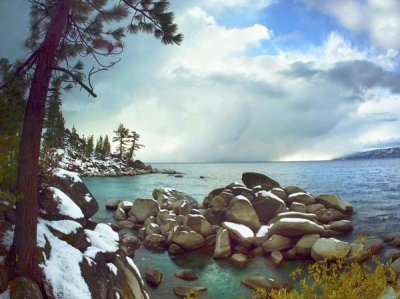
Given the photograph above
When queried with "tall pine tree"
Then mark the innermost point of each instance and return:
(106, 150)
(54, 123)
(135, 145)
(89, 146)
(98, 150)
(62, 31)
(121, 137)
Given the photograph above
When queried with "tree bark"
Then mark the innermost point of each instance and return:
(24, 250)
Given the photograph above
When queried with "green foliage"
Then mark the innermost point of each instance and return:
(121, 137)
(106, 150)
(98, 150)
(54, 123)
(89, 146)
(135, 145)
(12, 103)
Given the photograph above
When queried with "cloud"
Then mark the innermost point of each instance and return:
(223, 4)
(379, 19)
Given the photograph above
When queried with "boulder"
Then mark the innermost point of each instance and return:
(304, 245)
(280, 193)
(268, 284)
(295, 227)
(125, 224)
(188, 291)
(239, 259)
(131, 243)
(261, 235)
(187, 275)
(314, 208)
(293, 189)
(125, 205)
(329, 248)
(112, 204)
(393, 239)
(291, 214)
(199, 224)
(392, 254)
(188, 240)
(334, 201)
(396, 266)
(153, 228)
(223, 245)
(143, 208)
(301, 197)
(330, 215)
(173, 195)
(71, 184)
(297, 207)
(168, 226)
(240, 233)
(342, 226)
(153, 277)
(119, 214)
(276, 243)
(175, 249)
(218, 203)
(240, 210)
(155, 242)
(372, 245)
(252, 179)
(267, 205)
(357, 253)
(277, 258)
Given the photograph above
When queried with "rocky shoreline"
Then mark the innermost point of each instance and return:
(240, 221)
(84, 259)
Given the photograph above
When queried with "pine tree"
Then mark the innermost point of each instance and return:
(74, 140)
(106, 150)
(98, 151)
(54, 123)
(121, 135)
(61, 32)
(89, 146)
(135, 145)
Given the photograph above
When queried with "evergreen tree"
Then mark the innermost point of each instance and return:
(89, 146)
(12, 102)
(121, 136)
(135, 145)
(98, 151)
(74, 140)
(106, 150)
(54, 122)
(62, 31)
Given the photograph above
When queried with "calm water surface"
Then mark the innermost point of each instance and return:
(372, 186)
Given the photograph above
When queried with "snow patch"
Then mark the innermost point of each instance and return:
(62, 173)
(66, 227)
(103, 239)
(8, 238)
(263, 231)
(62, 270)
(243, 230)
(112, 268)
(88, 197)
(66, 206)
(264, 193)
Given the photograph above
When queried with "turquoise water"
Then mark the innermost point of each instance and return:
(372, 186)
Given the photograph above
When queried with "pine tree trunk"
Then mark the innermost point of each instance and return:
(24, 250)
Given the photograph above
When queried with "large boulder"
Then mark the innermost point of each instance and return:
(172, 195)
(293, 189)
(240, 210)
(342, 226)
(276, 242)
(71, 184)
(330, 248)
(334, 201)
(223, 245)
(199, 224)
(267, 205)
(240, 233)
(268, 284)
(252, 179)
(155, 242)
(295, 227)
(330, 215)
(304, 245)
(291, 214)
(301, 197)
(143, 208)
(188, 240)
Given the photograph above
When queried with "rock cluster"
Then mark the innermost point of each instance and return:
(79, 258)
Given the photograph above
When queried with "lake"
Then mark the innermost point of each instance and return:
(372, 186)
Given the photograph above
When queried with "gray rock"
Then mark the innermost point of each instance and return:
(267, 205)
(223, 245)
(240, 210)
(252, 179)
(143, 208)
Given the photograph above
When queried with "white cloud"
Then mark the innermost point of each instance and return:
(378, 18)
(254, 4)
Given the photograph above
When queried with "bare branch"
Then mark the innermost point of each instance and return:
(77, 80)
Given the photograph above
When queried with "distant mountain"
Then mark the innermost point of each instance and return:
(382, 153)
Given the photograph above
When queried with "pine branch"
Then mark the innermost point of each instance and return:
(77, 80)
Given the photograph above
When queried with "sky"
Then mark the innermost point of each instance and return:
(254, 80)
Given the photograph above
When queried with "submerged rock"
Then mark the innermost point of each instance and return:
(153, 277)
(187, 275)
(185, 291)
(239, 259)
(265, 283)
